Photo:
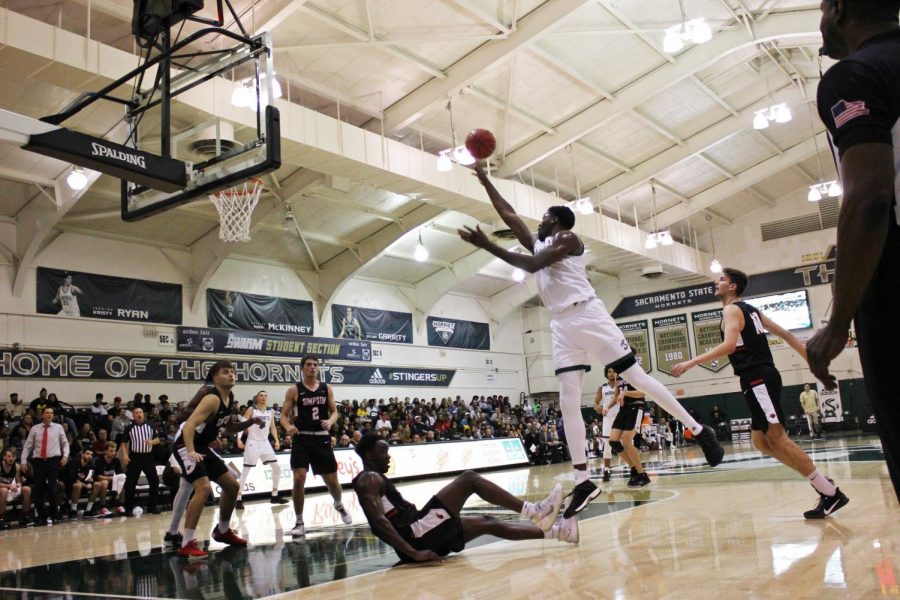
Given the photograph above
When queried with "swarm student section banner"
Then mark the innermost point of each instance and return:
(670, 335)
(106, 297)
(226, 341)
(760, 283)
(637, 334)
(708, 335)
(253, 312)
(355, 323)
(407, 460)
(38, 364)
(453, 333)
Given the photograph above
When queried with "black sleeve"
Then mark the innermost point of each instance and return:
(125, 436)
(854, 105)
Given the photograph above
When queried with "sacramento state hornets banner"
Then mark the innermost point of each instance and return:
(453, 333)
(91, 296)
(637, 334)
(671, 337)
(253, 312)
(708, 335)
(355, 323)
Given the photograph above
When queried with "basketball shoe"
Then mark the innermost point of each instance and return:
(581, 494)
(711, 447)
(173, 539)
(239, 504)
(827, 505)
(192, 551)
(299, 530)
(607, 475)
(639, 480)
(277, 500)
(229, 537)
(547, 509)
(345, 516)
(564, 530)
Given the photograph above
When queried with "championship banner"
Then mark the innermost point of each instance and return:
(708, 335)
(830, 404)
(227, 341)
(87, 295)
(39, 364)
(670, 335)
(637, 335)
(760, 283)
(453, 333)
(355, 323)
(407, 460)
(253, 312)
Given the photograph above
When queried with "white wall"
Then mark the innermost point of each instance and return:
(19, 324)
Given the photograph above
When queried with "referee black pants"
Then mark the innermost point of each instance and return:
(141, 463)
(46, 476)
(878, 333)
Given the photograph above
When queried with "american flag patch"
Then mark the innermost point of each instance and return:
(845, 111)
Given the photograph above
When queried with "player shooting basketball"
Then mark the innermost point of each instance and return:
(580, 326)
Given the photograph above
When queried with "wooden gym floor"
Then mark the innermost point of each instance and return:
(732, 532)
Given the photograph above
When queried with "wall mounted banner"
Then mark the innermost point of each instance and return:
(354, 323)
(228, 341)
(74, 294)
(637, 334)
(708, 335)
(760, 283)
(38, 364)
(830, 404)
(452, 333)
(670, 335)
(253, 312)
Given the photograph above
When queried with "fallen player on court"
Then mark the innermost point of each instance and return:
(427, 534)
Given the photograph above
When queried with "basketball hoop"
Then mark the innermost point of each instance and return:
(235, 206)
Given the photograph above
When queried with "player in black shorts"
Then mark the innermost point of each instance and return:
(627, 422)
(437, 529)
(208, 411)
(309, 412)
(744, 341)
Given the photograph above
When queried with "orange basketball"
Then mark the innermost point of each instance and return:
(688, 434)
(481, 143)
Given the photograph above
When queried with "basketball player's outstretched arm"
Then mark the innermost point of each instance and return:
(564, 243)
(368, 490)
(506, 211)
(732, 323)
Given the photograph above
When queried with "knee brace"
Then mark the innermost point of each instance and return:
(616, 446)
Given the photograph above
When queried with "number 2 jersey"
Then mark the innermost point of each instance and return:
(311, 408)
(752, 349)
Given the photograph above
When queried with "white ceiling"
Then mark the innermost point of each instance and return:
(579, 94)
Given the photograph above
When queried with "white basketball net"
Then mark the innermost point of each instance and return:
(235, 208)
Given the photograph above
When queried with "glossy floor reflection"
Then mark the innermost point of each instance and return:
(735, 531)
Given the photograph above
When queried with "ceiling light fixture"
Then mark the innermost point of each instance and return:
(518, 275)
(657, 238)
(581, 205)
(714, 265)
(244, 94)
(458, 153)
(444, 163)
(778, 113)
(696, 31)
(421, 252)
(821, 188)
(76, 179)
(288, 223)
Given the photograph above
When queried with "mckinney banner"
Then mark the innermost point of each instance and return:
(453, 333)
(760, 283)
(670, 335)
(708, 335)
(228, 341)
(74, 294)
(38, 364)
(253, 312)
(355, 323)
(637, 334)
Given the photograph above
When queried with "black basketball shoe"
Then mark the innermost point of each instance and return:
(639, 480)
(173, 539)
(239, 504)
(607, 475)
(581, 494)
(827, 505)
(711, 447)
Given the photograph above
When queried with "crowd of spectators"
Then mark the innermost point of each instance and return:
(398, 420)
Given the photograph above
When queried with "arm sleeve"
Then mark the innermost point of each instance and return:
(854, 105)
(29, 444)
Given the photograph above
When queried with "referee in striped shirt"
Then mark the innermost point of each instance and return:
(136, 452)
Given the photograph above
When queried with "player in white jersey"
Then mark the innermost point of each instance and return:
(258, 447)
(580, 327)
(67, 297)
(606, 405)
